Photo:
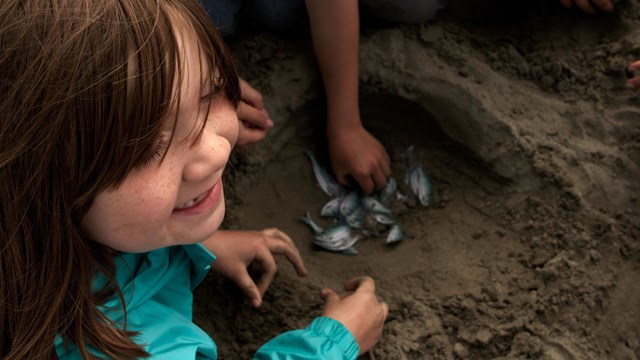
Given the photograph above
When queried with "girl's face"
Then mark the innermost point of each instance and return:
(180, 200)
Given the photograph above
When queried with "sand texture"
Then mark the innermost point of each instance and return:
(519, 113)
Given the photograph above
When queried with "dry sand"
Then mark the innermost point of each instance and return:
(520, 114)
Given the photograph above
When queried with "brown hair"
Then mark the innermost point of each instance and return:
(85, 88)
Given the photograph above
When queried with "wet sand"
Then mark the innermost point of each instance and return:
(520, 114)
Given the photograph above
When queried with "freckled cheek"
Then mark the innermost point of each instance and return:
(153, 201)
(157, 207)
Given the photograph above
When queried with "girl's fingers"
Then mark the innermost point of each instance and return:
(364, 283)
(269, 268)
(284, 247)
(634, 83)
(251, 95)
(329, 295)
(253, 116)
(248, 287)
(276, 233)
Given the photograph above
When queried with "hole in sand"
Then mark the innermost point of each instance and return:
(456, 245)
(441, 236)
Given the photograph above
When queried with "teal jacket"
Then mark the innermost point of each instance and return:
(158, 290)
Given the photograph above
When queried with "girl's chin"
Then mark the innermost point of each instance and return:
(211, 226)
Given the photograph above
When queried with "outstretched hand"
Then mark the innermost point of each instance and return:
(634, 81)
(253, 116)
(357, 154)
(359, 311)
(588, 5)
(236, 250)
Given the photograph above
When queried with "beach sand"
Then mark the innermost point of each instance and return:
(520, 114)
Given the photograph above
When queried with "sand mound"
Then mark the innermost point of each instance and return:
(521, 116)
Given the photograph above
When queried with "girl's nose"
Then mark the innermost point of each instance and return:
(206, 157)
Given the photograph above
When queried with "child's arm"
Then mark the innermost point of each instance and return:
(235, 250)
(354, 151)
(351, 324)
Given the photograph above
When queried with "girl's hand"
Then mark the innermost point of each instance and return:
(236, 250)
(634, 80)
(588, 5)
(253, 116)
(359, 311)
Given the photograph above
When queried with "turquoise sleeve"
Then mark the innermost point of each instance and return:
(324, 338)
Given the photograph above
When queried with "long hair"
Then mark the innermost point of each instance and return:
(85, 89)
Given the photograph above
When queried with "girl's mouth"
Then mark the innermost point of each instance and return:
(192, 202)
(202, 202)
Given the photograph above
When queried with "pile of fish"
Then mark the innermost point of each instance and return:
(352, 215)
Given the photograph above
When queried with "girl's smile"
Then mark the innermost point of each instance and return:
(203, 203)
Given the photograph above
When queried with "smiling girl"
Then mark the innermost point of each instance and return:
(118, 118)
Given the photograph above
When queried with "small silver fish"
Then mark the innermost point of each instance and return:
(334, 234)
(331, 208)
(355, 218)
(395, 234)
(401, 197)
(350, 203)
(420, 185)
(336, 238)
(351, 209)
(312, 225)
(375, 206)
(386, 194)
(418, 179)
(327, 182)
(383, 219)
(350, 251)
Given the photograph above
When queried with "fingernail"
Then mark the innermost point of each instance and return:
(255, 303)
(269, 122)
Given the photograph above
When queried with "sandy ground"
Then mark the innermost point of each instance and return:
(520, 114)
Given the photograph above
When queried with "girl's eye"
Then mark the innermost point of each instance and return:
(216, 88)
(157, 152)
(209, 96)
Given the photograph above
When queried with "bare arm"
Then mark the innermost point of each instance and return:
(335, 29)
